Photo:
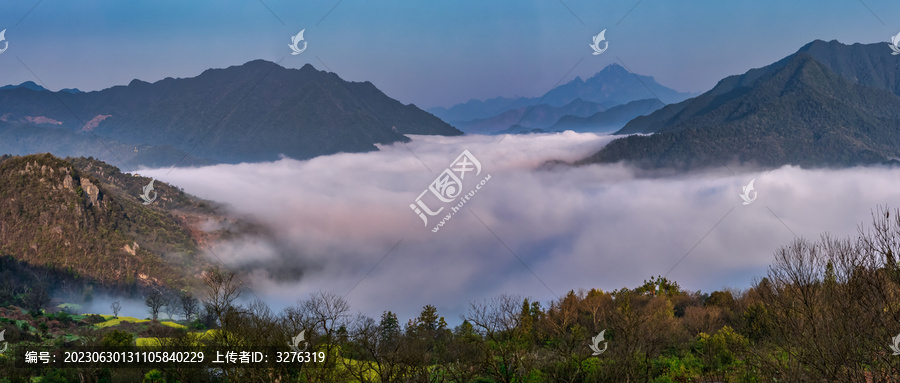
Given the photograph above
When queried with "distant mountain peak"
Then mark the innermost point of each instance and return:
(137, 82)
(819, 42)
(261, 63)
(613, 85)
(26, 85)
(615, 68)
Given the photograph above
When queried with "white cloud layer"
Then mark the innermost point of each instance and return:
(337, 216)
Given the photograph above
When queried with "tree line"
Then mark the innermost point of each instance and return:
(826, 310)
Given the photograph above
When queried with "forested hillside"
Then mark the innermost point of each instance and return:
(829, 104)
(826, 311)
(83, 217)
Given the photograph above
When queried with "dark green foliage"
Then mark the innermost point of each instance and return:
(722, 299)
(62, 316)
(20, 282)
(197, 325)
(58, 376)
(94, 318)
(659, 286)
(154, 376)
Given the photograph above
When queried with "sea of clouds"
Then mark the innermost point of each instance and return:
(343, 224)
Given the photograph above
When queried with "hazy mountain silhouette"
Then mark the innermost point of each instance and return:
(609, 120)
(26, 138)
(478, 109)
(614, 85)
(26, 85)
(530, 117)
(257, 111)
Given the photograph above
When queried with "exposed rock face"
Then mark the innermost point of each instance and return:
(90, 125)
(56, 215)
(91, 190)
(68, 183)
(132, 249)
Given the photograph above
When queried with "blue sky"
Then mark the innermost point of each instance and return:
(424, 52)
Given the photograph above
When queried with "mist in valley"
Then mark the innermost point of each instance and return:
(342, 223)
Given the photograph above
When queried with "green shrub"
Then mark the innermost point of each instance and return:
(94, 318)
(117, 338)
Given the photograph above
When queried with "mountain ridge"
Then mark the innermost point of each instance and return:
(794, 111)
(257, 111)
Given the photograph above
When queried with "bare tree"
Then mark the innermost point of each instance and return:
(322, 315)
(222, 290)
(190, 306)
(832, 304)
(329, 311)
(498, 321)
(116, 307)
(699, 319)
(171, 306)
(37, 298)
(381, 343)
(155, 301)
